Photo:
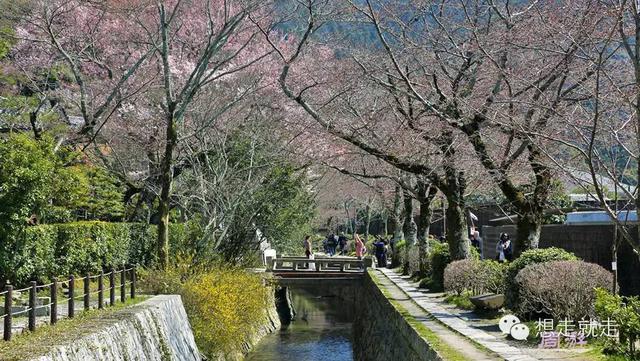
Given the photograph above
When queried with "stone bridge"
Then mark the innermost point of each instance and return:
(301, 270)
(323, 276)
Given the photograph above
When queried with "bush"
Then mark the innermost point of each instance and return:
(474, 276)
(412, 264)
(560, 289)
(51, 250)
(439, 258)
(34, 255)
(461, 300)
(91, 246)
(226, 306)
(625, 311)
(529, 257)
(398, 258)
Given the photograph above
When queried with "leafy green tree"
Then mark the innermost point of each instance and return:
(287, 208)
(28, 171)
(105, 201)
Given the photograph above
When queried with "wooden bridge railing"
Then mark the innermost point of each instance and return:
(127, 278)
(321, 264)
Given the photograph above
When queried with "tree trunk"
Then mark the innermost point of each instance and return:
(453, 189)
(426, 194)
(37, 131)
(385, 219)
(409, 228)
(529, 229)
(166, 177)
(398, 235)
(457, 236)
(367, 221)
(531, 211)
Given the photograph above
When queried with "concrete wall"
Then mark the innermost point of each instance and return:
(591, 243)
(381, 333)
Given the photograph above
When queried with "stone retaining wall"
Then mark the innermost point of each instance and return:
(381, 333)
(156, 329)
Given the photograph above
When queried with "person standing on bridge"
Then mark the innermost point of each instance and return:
(307, 246)
(342, 244)
(332, 242)
(361, 249)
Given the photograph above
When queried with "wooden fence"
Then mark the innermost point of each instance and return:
(127, 277)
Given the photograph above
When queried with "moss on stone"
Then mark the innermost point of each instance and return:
(444, 350)
(31, 344)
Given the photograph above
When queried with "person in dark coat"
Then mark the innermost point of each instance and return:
(380, 251)
(504, 248)
(332, 242)
(342, 243)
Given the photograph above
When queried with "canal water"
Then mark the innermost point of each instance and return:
(321, 331)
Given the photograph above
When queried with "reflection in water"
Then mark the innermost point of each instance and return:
(320, 332)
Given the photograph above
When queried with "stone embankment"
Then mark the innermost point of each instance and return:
(156, 329)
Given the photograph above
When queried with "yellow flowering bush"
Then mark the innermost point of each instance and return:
(226, 305)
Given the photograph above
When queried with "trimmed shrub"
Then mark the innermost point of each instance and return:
(560, 289)
(492, 275)
(51, 250)
(625, 312)
(439, 258)
(142, 246)
(399, 256)
(529, 257)
(91, 246)
(460, 276)
(36, 256)
(474, 277)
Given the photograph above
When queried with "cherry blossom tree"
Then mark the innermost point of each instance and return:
(490, 72)
(603, 130)
(91, 48)
(355, 109)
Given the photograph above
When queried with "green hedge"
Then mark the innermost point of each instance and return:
(45, 251)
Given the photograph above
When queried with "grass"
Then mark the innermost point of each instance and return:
(597, 354)
(31, 344)
(446, 351)
(461, 301)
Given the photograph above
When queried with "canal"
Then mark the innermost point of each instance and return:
(321, 331)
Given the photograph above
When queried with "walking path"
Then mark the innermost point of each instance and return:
(491, 342)
(453, 340)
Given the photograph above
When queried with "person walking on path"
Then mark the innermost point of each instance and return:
(381, 252)
(504, 249)
(361, 249)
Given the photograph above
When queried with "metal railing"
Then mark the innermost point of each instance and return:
(34, 288)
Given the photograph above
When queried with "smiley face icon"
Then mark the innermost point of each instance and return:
(520, 331)
(507, 322)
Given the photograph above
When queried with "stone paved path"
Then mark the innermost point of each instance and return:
(456, 341)
(504, 350)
